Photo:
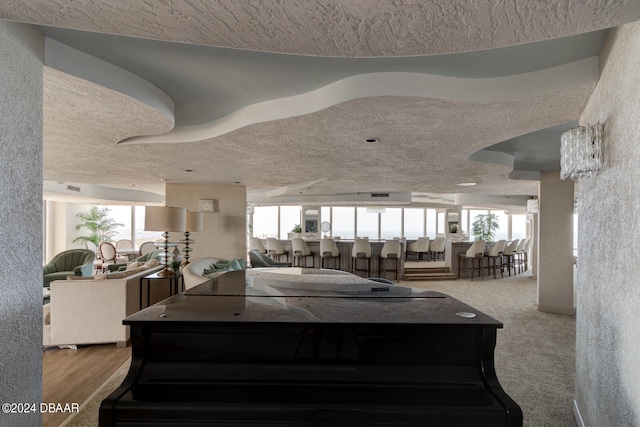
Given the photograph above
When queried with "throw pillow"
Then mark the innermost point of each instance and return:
(133, 264)
(151, 263)
(223, 263)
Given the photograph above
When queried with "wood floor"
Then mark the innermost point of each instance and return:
(72, 376)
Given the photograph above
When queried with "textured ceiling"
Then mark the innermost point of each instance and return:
(428, 122)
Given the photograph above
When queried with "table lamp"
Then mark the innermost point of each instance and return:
(195, 222)
(165, 219)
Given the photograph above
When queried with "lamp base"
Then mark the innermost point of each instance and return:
(166, 273)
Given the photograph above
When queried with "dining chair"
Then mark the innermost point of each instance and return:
(519, 255)
(109, 255)
(147, 247)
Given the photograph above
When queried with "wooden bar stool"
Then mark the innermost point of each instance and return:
(361, 252)
(474, 253)
(329, 251)
(390, 252)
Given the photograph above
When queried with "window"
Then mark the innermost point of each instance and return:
(503, 229)
(431, 223)
(518, 227)
(367, 224)
(413, 223)
(343, 222)
(391, 223)
(121, 215)
(139, 232)
(441, 223)
(265, 221)
(289, 217)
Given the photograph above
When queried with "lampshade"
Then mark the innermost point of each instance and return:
(194, 221)
(165, 218)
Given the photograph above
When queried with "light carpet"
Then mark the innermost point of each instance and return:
(534, 357)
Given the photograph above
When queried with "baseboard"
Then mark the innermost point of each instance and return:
(576, 413)
(557, 310)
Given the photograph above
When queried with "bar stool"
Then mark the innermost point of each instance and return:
(255, 244)
(526, 254)
(508, 256)
(390, 251)
(475, 252)
(329, 251)
(300, 252)
(494, 254)
(436, 248)
(519, 255)
(361, 251)
(275, 249)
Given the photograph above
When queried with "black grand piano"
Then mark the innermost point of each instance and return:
(261, 348)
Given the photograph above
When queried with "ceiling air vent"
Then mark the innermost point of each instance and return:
(380, 195)
(72, 188)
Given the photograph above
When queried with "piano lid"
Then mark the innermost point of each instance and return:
(309, 296)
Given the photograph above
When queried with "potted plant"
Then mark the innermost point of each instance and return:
(485, 227)
(100, 226)
(296, 229)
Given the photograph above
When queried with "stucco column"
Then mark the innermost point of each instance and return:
(555, 244)
(21, 57)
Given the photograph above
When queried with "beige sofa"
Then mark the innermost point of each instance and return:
(192, 273)
(90, 310)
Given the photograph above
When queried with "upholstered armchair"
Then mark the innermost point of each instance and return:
(261, 260)
(154, 254)
(74, 262)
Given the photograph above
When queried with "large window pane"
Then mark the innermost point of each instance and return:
(431, 223)
(441, 222)
(343, 222)
(265, 222)
(391, 223)
(140, 235)
(464, 222)
(289, 217)
(367, 224)
(503, 229)
(413, 223)
(121, 215)
(518, 227)
(473, 214)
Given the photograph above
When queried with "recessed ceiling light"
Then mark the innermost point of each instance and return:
(467, 184)
(371, 140)
(133, 185)
(188, 170)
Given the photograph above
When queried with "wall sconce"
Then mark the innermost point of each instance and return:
(533, 206)
(208, 205)
(581, 151)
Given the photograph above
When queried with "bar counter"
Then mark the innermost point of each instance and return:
(345, 246)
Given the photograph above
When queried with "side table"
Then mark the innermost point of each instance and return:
(176, 282)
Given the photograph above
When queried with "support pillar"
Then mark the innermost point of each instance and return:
(555, 247)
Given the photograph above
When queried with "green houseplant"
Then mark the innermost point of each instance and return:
(98, 224)
(485, 227)
(296, 229)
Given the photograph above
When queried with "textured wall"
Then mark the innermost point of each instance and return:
(608, 295)
(21, 56)
(224, 234)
